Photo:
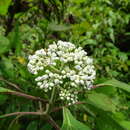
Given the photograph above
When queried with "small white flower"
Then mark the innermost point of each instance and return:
(35, 72)
(63, 72)
(47, 71)
(61, 82)
(51, 74)
(82, 82)
(45, 90)
(78, 67)
(41, 86)
(41, 68)
(46, 85)
(44, 77)
(61, 98)
(68, 98)
(73, 84)
(39, 83)
(38, 78)
(77, 81)
(72, 78)
(51, 84)
(56, 81)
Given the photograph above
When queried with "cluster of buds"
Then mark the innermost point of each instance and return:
(65, 67)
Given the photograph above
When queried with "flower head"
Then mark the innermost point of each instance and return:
(64, 66)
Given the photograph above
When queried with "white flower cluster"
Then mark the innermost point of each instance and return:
(64, 66)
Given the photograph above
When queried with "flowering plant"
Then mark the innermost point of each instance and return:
(64, 68)
(62, 72)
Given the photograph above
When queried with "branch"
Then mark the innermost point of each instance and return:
(26, 96)
(49, 118)
(61, 107)
(13, 121)
(11, 84)
(95, 86)
(21, 113)
(100, 85)
(51, 101)
(52, 122)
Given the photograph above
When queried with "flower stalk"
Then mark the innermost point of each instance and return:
(49, 105)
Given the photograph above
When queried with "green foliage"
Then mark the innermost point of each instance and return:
(101, 101)
(4, 4)
(2, 90)
(118, 84)
(101, 27)
(4, 44)
(32, 126)
(70, 123)
(3, 98)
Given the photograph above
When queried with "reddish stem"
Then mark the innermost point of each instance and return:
(26, 96)
(61, 107)
(21, 113)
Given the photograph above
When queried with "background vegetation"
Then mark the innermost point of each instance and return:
(101, 27)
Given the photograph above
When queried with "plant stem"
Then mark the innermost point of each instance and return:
(11, 84)
(55, 70)
(20, 113)
(13, 121)
(26, 96)
(52, 122)
(51, 101)
(101, 85)
(61, 107)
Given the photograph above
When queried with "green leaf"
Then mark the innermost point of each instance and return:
(55, 27)
(123, 56)
(46, 127)
(118, 84)
(3, 98)
(4, 44)
(3, 90)
(7, 67)
(107, 90)
(15, 41)
(89, 42)
(125, 124)
(101, 101)
(4, 4)
(70, 123)
(14, 125)
(111, 34)
(32, 126)
(119, 118)
(78, 1)
(105, 122)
